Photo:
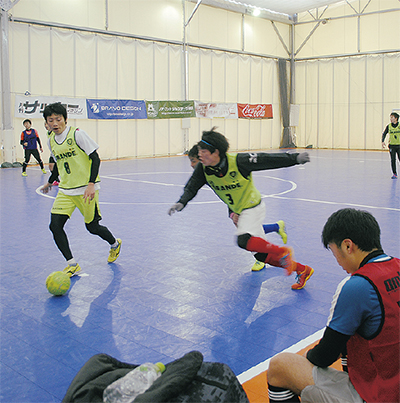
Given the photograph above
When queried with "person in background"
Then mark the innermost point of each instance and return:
(230, 177)
(393, 128)
(364, 323)
(29, 141)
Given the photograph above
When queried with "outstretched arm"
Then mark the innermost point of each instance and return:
(248, 162)
(193, 185)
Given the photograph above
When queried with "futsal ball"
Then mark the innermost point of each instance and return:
(58, 283)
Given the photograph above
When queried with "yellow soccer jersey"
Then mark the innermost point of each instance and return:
(72, 162)
(238, 192)
(394, 133)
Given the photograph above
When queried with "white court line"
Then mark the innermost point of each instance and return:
(276, 195)
(140, 181)
(42, 194)
(335, 203)
(293, 187)
(116, 176)
(263, 366)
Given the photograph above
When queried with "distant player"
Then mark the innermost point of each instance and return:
(393, 129)
(29, 141)
(77, 163)
(230, 177)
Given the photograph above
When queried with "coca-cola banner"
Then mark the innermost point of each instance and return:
(209, 110)
(256, 111)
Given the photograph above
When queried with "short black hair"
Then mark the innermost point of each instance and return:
(212, 140)
(26, 120)
(358, 225)
(194, 152)
(395, 114)
(55, 109)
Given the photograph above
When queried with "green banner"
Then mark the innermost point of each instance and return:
(170, 109)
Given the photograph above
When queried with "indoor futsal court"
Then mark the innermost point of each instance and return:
(180, 283)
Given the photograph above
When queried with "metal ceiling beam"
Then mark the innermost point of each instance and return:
(280, 37)
(308, 37)
(248, 10)
(6, 5)
(193, 12)
(362, 13)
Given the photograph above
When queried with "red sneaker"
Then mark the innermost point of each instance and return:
(302, 278)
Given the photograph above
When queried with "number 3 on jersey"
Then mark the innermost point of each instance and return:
(230, 200)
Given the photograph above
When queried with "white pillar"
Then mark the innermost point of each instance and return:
(7, 130)
(8, 151)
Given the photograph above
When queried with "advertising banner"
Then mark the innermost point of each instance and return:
(116, 109)
(256, 111)
(32, 107)
(208, 110)
(170, 109)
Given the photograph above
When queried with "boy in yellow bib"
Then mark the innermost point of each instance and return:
(230, 177)
(393, 129)
(77, 164)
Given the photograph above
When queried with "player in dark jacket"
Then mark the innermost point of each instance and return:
(29, 140)
(230, 177)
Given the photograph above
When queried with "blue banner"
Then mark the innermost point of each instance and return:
(116, 109)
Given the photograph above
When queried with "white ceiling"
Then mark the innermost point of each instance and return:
(288, 7)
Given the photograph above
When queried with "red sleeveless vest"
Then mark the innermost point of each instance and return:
(373, 364)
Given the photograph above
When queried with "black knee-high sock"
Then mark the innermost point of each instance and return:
(279, 395)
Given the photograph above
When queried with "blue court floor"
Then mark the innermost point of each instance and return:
(180, 283)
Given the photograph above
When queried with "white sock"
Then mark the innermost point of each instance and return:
(72, 262)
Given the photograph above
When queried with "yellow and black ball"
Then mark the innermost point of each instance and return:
(58, 283)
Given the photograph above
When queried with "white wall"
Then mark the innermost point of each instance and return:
(49, 61)
(344, 101)
(75, 64)
(370, 29)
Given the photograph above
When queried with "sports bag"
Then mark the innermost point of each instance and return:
(186, 380)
